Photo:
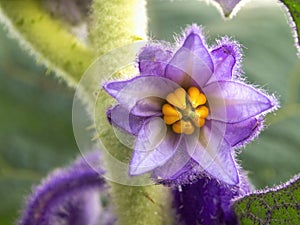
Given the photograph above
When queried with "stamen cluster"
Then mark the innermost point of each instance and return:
(185, 111)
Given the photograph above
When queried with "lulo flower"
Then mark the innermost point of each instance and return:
(188, 109)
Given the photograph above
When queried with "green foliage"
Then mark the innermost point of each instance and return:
(293, 6)
(46, 38)
(280, 206)
(36, 128)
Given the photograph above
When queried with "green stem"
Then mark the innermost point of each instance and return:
(117, 23)
(134, 205)
(46, 38)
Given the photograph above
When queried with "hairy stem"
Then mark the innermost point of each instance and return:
(117, 23)
(46, 38)
(125, 22)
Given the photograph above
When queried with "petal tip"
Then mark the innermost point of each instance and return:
(153, 59)
(191, 31)
(107, 87)
(273, 104)
(227, 47)
(234, 180)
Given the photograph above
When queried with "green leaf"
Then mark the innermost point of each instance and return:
(293, 8)
(280, 205)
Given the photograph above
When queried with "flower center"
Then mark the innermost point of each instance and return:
(185, 111)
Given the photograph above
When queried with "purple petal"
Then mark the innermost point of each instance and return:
(233, 102)
(226, 57)
(191, 62)
(241, 133)
(120, 117)
(146, 107)
(129, 92)
(114, 87)
(154, 146)
(67, 196)
(214, 155)
(177, 165)
(153, 60)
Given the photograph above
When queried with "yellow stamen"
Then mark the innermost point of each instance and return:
(199, 122)
(169, 110)
(183, 126)
(202, 111)
(177, 98)
(196, 97)
(171, 119)
(185, 112)
(200, 114)
(171, 115)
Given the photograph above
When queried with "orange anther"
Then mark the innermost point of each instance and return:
(171, 115)
(202, 111)
(196, 98)
(177, 98)
(199, 122)
(182, 126)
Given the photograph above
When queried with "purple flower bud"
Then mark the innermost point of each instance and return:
(207, 202)
(68, 196)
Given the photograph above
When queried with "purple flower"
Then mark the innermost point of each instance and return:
(188, 109)
(68, 196)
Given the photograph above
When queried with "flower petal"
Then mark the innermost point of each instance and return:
(226, 56)
(153, 60)
(239, 134)
(176, 165)
(153, 148)
(120, 117)
(129, 92)
(191, 62)
(233, 102)
(214, 156)
(114, 87)
(151, 106)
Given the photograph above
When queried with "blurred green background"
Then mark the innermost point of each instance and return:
(35, 107)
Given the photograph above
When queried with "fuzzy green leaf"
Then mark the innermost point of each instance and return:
(293, 8)
(280, 206)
